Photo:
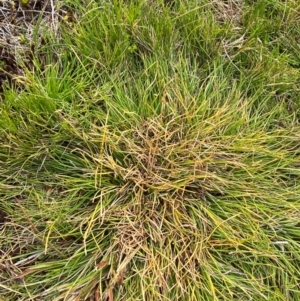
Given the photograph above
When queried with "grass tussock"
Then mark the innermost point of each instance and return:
(153, 154)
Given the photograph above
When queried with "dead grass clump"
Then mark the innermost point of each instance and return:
(165, 158)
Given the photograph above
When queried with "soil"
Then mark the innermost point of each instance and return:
(3, 218)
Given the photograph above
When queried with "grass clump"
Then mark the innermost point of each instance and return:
(154, 155)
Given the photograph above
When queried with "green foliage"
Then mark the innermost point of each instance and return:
(153, 154)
